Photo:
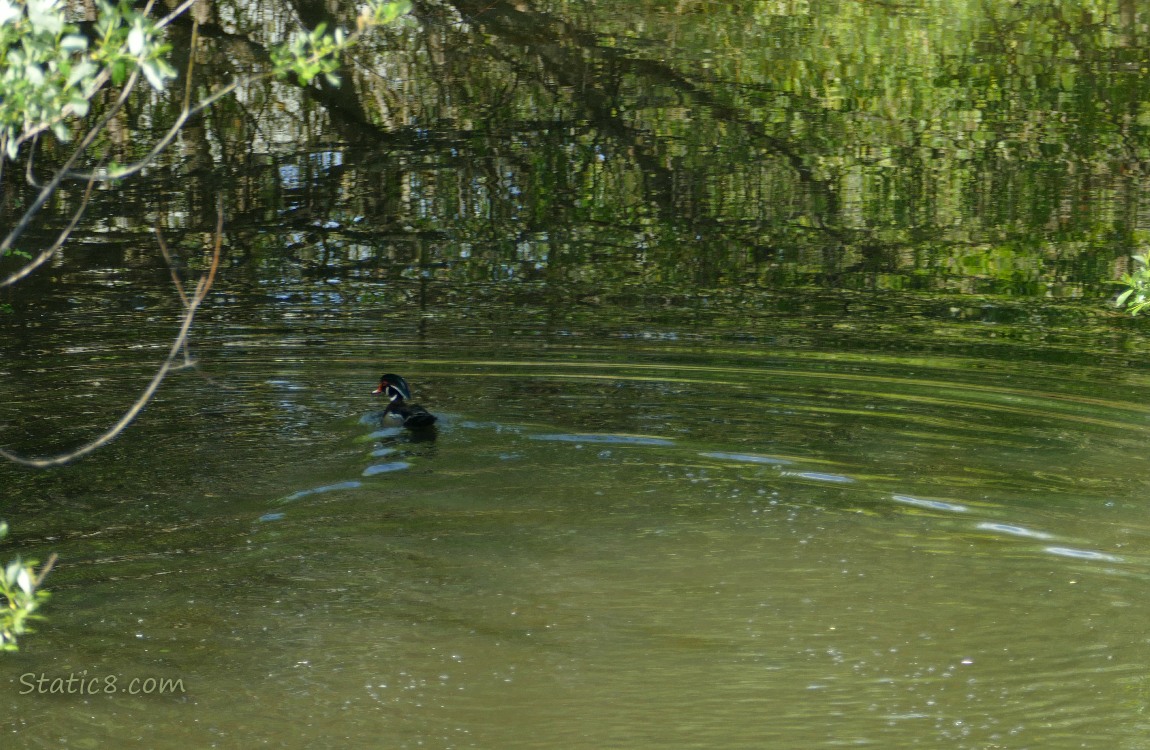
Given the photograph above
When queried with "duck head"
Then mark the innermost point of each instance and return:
(394, 387)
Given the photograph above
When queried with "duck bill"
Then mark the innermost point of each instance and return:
(377, 391)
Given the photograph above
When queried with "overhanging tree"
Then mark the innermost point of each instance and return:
(62, 81)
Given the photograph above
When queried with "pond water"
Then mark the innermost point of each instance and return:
(638, 538)
(780, 400)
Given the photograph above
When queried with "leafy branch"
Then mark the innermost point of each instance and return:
(20, 596)
(49, 73)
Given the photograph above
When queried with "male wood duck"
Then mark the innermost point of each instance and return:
(414, 416)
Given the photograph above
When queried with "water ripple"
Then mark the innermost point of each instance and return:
(1007, 528)
(748, 458)
(317, 490)
(371, 471)
(1083, 554)
(819, 476)
(932, 504)
(599, 438)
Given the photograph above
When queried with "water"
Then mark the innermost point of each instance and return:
(779, 400)
(670, 544)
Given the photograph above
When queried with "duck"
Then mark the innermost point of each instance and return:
(398, 393)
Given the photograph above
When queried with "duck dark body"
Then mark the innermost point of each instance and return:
(414, 416)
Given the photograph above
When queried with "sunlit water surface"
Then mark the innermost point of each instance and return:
(721, 515)
(620, 541)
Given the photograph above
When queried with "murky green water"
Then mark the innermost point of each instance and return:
(781, 405)
(618, 539)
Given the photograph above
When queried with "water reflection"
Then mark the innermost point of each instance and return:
(747, 458)
(819, 476)
(1083, 554)
(609, 439)
(932, 504)
(1013, 530)
(317, 490)
(385, 468)
(855, 471)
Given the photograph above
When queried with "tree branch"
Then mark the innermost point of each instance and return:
(193, 304)
(50, 187)
(49, 251)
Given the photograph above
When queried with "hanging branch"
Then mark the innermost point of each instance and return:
(306, 56)
(175, 280)
(49, 251)
(190, 306)
(50, 187)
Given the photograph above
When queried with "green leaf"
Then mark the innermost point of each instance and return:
(82, 71)
(34, 74)
(74, 43)
(12, 571)
(8, 11)
(153, 73)
(136, 38)
(24, 581)
(44, 17)
(388, 12)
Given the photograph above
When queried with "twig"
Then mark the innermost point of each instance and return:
(176, 13)
(44, 570)
(187, 111)
(205, 284)
(175, 280)
(49, 251)
(185, 114)
(65, 171)
(50, 187)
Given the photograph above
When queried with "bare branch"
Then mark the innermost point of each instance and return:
(176, 13)
(187, 111)
(92, 177)
(45, 569)
(178, 344)
(49, 251)
(175, 280)
(171, 266)
(185, 115)
(97, 84)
